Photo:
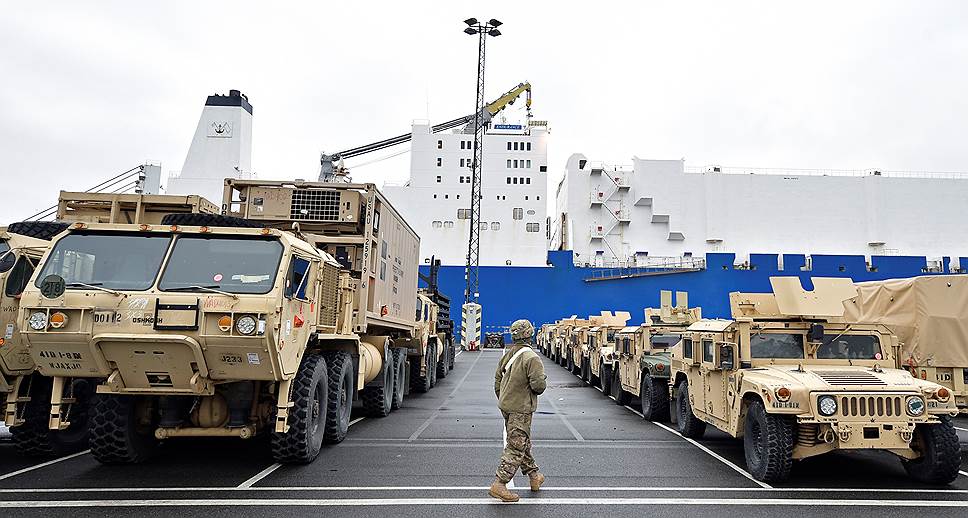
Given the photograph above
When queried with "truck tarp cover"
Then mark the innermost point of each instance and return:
(929, 315)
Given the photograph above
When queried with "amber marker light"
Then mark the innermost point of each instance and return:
(783, 394)
(173, 228)
(145, 227)
(204, 230)
(225, 323)
(943, 394)
(79, 225)
(58, 320)
(266, 231)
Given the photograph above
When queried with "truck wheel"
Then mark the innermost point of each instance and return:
(400, 364)
(453, 352)
(34, 438)
(939, 449)
(586, 370)
(420, 383)
(307, 417)
(621, 396)
(378, 401)
(768, 444)
(122, 429)
(442, 364)
(432, 365)
(606, 378)
(654, 395)
(570, 364)
(45, 230)
(689, 426)
(340, 395)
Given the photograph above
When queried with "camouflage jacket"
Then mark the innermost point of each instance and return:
(517, 389)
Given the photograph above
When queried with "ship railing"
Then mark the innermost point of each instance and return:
(780, 171)
(646, 262)
(633, 268)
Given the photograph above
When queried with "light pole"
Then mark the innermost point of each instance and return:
(482, 30)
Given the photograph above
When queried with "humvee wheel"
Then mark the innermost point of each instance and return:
(453, 353)
(122, 429)
(606, 379)
(689, 426)
(621, 396)
(378, 401)
(340, 396)
(307, 417)
(34, 438)
(585, 370)
(400, 364)
(768, 444)
(939, 449)
(420, 383)
(570, 363)
(655, 398)
(442, 364)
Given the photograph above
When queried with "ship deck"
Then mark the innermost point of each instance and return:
(437, 455)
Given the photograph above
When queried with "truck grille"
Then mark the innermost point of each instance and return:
(329, 296)
(870, 406)
(314, 205)
(849, 378)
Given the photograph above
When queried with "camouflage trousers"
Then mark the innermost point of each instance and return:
(517, 447)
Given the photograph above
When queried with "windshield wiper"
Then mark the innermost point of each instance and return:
(94, 286)
(213, 288)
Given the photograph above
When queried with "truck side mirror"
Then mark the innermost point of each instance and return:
(816, 333)
(726, 361)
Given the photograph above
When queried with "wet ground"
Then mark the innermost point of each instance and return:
(437, 455)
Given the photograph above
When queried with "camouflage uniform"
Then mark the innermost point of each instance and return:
(517, 449)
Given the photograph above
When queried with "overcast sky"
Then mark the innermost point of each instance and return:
(90, 89)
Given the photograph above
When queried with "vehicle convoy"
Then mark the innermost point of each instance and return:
(598, 353)
(642, 354)
(568, 331)
(792, 379)
(929, 314)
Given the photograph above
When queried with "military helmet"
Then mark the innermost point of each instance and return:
(522, 330)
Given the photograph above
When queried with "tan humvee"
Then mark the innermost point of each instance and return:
(929, 314)
(793, 380)
(561, 348)
(543, 337)
(578, 344)
(598, 353)
(199, 331)
(643, 355)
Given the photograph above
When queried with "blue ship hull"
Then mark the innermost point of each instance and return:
(546, 294)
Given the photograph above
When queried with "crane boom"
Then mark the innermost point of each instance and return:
(332, 169)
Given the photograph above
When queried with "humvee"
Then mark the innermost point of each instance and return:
(561, 348)
(792, 379)
(598, 354)
(543, 338)
(643, 355)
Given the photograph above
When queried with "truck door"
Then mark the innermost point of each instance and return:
(299, 310)
(714, 377)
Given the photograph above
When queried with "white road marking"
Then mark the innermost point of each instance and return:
(965, 473)
(636, 412)
(564, 420)
(42, 465)
(357, 420)
(259, 476)
(327, 489)
(450, 396)
(361, 502)
(962, 429)
(716, 456)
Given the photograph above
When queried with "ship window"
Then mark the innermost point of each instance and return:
(463, 143)
(509, 163)
(509, 145)
(517, 213)
(463, 213)
(538, 198)
(529, 165)
(440, 161)
(530, 213)
(462, 165)
(515, 146)
(448, 224)
(483, 225)
(528, 179)
(543, 168)
(440, 144)
(446, 196)
(437, 224)
(435, 196)
(438, 179)
(495, 225)
(533, 227)
(514, 180)
(529, 146)
(526, 199)
(458, 196)
(461, 178)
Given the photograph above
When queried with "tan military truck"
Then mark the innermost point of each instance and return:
(599, 351)
(793, 380)
(358, 226)
(561, 344)
(543, 338)
(929, 315)
(578, 344)
(643, 364)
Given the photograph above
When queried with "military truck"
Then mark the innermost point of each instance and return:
(358, 226)
(642, 355)
(100, 207)
(599, 351)
(929, 314)
(543, 338)
(561, 340)
(792, 379)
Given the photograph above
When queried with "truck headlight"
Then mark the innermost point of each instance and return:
(38, 321)
(245, 325)
(827, 405)
(915, 406)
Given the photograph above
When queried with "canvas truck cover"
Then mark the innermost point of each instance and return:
(929, 314)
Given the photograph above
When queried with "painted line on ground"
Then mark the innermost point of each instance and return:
(715, 455)
(357, 420)
(965, 473)
(561, 415)
(962, 429)
(363, 502)
(450, 396)
(42, 465)
(259, 476)
(636, 489)
(636, 412)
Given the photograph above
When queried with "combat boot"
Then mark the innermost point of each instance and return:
(500, 491)
(537, 479)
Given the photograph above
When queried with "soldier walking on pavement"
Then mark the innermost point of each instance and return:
(518, 381)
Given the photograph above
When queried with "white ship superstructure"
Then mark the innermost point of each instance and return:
(436, 199)
(659, 213)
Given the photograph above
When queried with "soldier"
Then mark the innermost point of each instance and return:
(518, 381)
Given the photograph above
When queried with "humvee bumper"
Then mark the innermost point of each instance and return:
(814, 438)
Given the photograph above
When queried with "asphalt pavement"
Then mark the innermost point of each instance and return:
(437, 455)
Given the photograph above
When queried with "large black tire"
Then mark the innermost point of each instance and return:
(654, 395)
(432, 364)
(621, 396)
(443, 363)
(340, 405)
(45, 230)
(119, 434)
(400, 364)
(606, 378)
(940, 453)
(570, 363)
(687, 422)
(453, 352)
(307, 417)
(420, 383)
(378, 401)
(768, 444)
(34, 438)
(208, 220)
(586, 370)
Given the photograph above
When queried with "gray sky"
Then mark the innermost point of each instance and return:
(91, 89)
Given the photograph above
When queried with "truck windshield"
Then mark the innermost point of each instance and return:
(231, 264)
(850, 347)
(6, 260)
(113, 261)
(776, 345)
(665, 341)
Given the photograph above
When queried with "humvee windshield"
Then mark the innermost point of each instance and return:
(114, 261)
(665, 341)
(6, 260)
(849, 347)
(776, 345)
(231, 264)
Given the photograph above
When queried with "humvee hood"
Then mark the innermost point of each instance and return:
(838, 377)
